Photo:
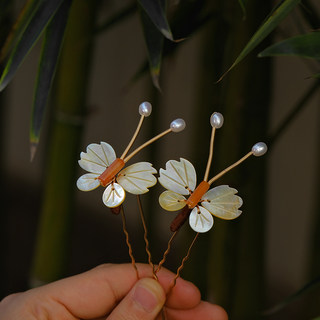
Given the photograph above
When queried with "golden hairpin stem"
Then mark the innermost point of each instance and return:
(124, 228)
(183, 262)
(145, 236)
(166, 252)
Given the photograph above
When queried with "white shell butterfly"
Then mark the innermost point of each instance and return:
(180, 179)
(106, 169)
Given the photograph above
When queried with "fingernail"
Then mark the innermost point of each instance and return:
(147, 295)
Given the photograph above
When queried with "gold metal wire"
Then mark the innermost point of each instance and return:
(183, 262)
(124, 228)
(146, 144)
(133, 138)
(145, 236)
(166, 252)
(210, 155)
(230, 167)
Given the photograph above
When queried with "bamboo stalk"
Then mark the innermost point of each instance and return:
(52, 246)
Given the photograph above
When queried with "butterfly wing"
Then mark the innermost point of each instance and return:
(88, 182)
(97, 158)
(113, 195)
(171, 201)
(179, 176)
(137, 178)
(222, 202)
(200, 219)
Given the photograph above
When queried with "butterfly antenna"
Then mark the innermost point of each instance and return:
(145, 236)
(257, 150)
(175, 126)
(183, 262)
(145, 109)
(124, 228)
(216, 121)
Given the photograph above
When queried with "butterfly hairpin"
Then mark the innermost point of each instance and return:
(200, 203)
(105, 169)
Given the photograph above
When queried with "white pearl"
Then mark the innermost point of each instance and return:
(177, 125)
(145, 109)
(259, 149)
(216, 120)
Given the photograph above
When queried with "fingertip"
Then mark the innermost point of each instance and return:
(217, 312)
(184, 295)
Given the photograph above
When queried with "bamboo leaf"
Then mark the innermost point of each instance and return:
(17, 30)
(48, 61)
(154, 42)
(39, 21)
(186, 27)
(156, 12)
(268, 26)
(310, 285)
(305, 46)
(243, 8)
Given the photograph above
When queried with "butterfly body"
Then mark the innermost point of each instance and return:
(197, 194)
(111, 171)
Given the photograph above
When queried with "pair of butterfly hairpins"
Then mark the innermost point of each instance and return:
(198, 203)
(179, 178)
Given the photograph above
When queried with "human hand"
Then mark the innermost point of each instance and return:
(111, 292)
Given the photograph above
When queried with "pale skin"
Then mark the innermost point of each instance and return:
(111, 292)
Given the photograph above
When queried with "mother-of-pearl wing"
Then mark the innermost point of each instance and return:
(97, 158)
(222, 202)
(171, 201)
(179, 176)
(200, 219)
(88, 182)
(137, 178)
(113, 195)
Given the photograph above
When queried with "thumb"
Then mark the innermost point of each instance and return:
(144, 301)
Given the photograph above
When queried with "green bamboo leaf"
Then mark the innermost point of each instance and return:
(186, 27)
(307, 287)
(243, 8)
(154, 42)
(268, 26)
(48, 61)
(305, 46)
(156, 11)
(44, 12)
(18, 28)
